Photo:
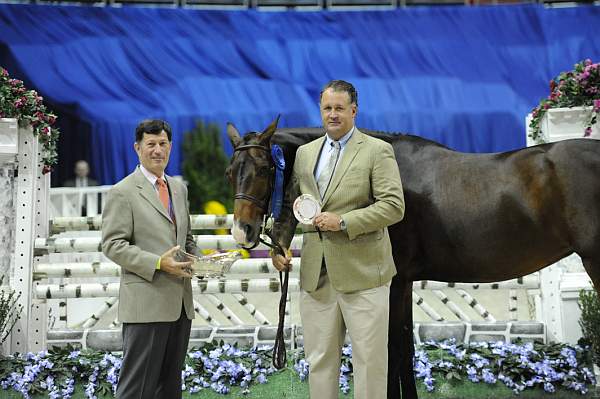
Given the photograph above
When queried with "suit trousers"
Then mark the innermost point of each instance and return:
(153, 356)
(326, 314)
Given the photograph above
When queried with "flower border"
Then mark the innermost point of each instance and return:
(219, 366)
(28, 108)
(517, 365)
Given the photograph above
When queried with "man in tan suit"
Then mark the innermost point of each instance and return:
(346, 264)
(144, 224)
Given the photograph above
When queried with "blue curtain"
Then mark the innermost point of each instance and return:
(463, 76)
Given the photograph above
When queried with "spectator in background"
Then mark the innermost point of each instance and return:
(82, 179)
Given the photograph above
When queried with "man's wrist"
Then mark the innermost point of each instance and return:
(279, 251)
(158, 263)
(342, 224)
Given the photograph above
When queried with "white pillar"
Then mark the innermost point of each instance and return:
(551, 302)
(29, 333)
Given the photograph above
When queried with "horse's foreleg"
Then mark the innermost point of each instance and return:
(401, 345)
(592, 267)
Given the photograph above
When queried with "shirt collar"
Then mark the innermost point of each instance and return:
(150, 176)
(343, 140)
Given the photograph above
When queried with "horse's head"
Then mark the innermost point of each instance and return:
(251, 175)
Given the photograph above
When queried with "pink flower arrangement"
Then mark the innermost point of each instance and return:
(576, 88)
(28, 107)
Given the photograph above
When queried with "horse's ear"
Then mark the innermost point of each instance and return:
(234, 135)
(265, 136)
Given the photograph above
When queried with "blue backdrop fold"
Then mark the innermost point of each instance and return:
(463, 76)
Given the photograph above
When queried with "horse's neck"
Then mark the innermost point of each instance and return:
(289, 140)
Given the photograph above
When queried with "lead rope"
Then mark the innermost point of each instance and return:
(279, 352)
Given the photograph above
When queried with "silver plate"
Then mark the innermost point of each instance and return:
(306, 207)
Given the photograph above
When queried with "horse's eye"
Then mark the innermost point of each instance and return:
(264, 171)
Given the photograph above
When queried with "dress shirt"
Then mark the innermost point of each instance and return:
(328, 149)
(152, 179)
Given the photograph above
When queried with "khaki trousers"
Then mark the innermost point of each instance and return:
(326, 314)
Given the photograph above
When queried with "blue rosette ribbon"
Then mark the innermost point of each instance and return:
(277, 196)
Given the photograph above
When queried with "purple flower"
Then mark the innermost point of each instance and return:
(548, 387)
(488, 376)
(347, 350)
(344, 383)
(219, 387)
(472, 374)
(429, 383)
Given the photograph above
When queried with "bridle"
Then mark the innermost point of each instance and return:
(279, 353)
(261, 203)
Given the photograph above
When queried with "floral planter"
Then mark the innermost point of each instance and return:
(9, 139)
(564, 123)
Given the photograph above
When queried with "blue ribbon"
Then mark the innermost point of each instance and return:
(277, 196)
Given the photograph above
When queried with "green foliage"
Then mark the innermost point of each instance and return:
(204, 167)
(590, 321)
(10, 311)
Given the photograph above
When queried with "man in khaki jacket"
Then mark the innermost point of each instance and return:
(146, 215)
(346, 264)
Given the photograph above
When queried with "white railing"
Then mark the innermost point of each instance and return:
(70, 201)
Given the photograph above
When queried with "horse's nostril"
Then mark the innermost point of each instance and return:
(248, 230)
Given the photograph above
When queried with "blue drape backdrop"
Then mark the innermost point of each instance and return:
(463, 76)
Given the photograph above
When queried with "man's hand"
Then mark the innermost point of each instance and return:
(327, 221)
(280, 262)
(168, 264)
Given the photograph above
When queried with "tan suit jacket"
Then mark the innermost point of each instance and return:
(366, 191)
(136, 230)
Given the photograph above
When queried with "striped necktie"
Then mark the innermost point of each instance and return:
(327, 172)
(163, 193)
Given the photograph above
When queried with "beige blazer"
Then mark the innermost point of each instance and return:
(136, 230)
(366, 191)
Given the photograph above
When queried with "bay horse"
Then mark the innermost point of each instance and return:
(469, 217)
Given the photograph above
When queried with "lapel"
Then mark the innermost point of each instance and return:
(149, 193)
(314, 153)
(350, 150)
(175, 198)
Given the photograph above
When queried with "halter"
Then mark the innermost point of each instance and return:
(264, 203)
(279, 353)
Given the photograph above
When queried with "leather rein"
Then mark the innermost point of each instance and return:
(279, 352)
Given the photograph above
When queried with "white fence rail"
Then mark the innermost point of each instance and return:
(71, 201)
(471, 310)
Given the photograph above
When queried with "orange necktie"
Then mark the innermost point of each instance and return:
(163, 193)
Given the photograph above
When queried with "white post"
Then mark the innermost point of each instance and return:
(9, 138)
(31, 219)
(570, 287)
(551, 302)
